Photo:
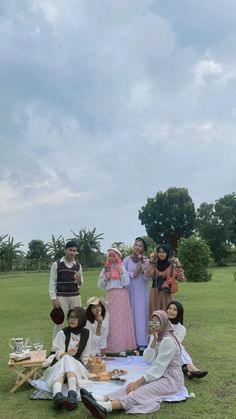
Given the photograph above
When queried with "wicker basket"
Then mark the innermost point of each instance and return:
(96, 368)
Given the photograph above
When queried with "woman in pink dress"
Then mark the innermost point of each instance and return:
(115, 280)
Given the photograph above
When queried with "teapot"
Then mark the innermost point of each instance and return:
(18, 345)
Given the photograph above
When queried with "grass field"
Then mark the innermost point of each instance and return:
(210, 318)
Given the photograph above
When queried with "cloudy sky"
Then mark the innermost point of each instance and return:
(104, 103)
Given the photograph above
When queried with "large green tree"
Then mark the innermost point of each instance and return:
(213, 230)
(225, 209)
(169, 216)
(89, 246)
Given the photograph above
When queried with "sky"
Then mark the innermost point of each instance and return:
(105, 103)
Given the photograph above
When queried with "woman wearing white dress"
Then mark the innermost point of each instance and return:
(97, 324)
(175, 313)
(73, 348)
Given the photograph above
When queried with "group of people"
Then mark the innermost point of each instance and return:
(129, 317)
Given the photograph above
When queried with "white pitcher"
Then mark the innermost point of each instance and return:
(18, 345)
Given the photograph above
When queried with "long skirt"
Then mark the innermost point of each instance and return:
(147, 398)
(185, 357)
(66, 364)
(121, 330)
(159, 300)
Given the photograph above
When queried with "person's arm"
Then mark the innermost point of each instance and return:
(102, 281)
(53, 286)
(149, 353)
(180, 274)
(124, 277)
(105, 330)
(180, 332)
(59, 344)
(166, 352)
(87, 351)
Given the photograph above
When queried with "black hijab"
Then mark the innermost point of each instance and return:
(180, 312)
(79, 330)
(82, 319)
(162, 265)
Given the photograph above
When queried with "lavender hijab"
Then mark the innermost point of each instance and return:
(166, 326)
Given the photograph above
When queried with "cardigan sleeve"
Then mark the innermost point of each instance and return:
(102, 281)
(59, 344)
(166, 352)
(180, 332)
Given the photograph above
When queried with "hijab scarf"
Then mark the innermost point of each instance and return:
(139, 257)
(79, 330)
(162, 265)
(111, 271)
(166, 327)
(180, 312)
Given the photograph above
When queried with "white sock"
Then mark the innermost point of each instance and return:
(72, 383)
(106, 405)
(56, 388)
(99, 399)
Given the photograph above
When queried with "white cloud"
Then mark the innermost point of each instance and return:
(106, 103)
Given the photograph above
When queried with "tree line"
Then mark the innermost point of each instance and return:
(169, 217)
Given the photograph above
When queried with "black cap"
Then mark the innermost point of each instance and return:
(57, 315)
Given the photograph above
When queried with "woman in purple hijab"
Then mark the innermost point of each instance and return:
(136, 264)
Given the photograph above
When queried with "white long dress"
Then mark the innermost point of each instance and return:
(67, 363)
(180, 332)
(98, 342)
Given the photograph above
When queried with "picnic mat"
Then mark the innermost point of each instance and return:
(135, 367)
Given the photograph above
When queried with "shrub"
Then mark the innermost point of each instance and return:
(194, 254)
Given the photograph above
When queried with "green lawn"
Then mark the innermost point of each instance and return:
(211, 329)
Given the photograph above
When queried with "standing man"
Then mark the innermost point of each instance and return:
(66, 278)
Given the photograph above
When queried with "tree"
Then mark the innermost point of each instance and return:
(225, 209)
(55, 248)
(37, 249)
(9, 251)
(194, 254)
(89, 246)
(211, 228)
(169, 216)
(37, 253)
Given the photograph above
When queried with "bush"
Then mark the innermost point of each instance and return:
(194, 254)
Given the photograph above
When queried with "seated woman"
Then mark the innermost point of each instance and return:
(163, 378)
(73, 347)
(97, 324)
(175, 313)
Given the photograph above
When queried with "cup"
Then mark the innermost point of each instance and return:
(18, 345)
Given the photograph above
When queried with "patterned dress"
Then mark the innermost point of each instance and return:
(164, 378)
(121, 330)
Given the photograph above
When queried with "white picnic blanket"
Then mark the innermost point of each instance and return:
(135, 367)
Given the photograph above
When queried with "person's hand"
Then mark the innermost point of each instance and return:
(103, 352)
(99, 318)
(72, 351)
(120, 269)
(132, 386)
(138, 269)
(77, 278)
(56, 303)
(154, 333)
